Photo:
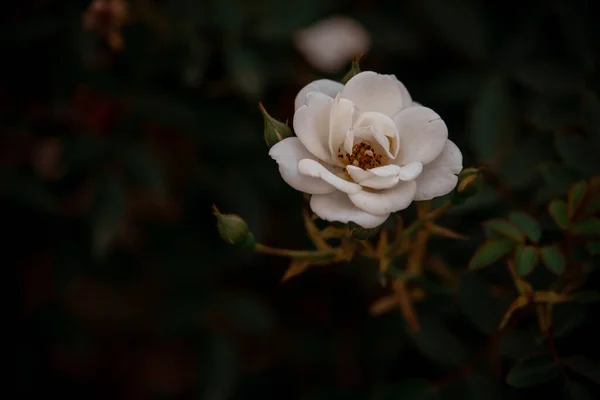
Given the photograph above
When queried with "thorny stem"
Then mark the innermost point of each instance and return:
(261, 248)
(404, 302)
(313, 232)
(398, 245)
(415, 259)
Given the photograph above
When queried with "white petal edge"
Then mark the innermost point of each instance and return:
(338, 207)
(371, 91)
(311, 125)
(359, 174)
(385, 201)
(325, 86)
(439, 178)
(410, 171)
(310, 167)
(423, 134)
(381, 182)
(381, 177)
(341, 120)
(288, 153)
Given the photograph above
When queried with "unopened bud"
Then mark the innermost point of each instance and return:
(468, 184)
(360, 233)
(275, 131)
(233, 229)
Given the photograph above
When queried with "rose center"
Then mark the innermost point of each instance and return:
(363, 156)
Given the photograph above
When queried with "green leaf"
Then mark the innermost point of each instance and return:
(491, 251)
(584, 366)
(558, 212)
(505, 229)
(590, 227)
(553, 258)
(550, 78)
(532, 371)
(435, 341)
(586, 296)
(576, 391)
(275, 131)
(526, 258)
(492, 121)
(577, 152)
(575, 198)
(527, 224)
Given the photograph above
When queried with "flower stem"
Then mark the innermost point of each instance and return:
(316, 254)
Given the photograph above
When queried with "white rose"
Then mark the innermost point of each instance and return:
(365, 150)
(331, 43)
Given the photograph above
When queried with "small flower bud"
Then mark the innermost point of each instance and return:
(275, 131)
(360, 233)
(233, 229)
(468, 184)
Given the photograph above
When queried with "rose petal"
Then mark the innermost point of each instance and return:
(325, 86)
(377, 178)
(410, 171)
(311, 124)
(370, 91)
(385, 201)
(358, 174)
(381, 182)
(349, 142)
(288, 154)
(422, 135)
(381, 123)
(386, 170)
(439, 177)
(313, 168)
(341, 120)
(337, 207)
(384, 177)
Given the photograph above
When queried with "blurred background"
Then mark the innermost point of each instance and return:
(122, 122)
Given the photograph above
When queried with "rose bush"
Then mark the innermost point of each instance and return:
(365, 150)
